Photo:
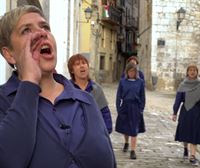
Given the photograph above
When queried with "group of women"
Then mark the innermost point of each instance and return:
(130, 104)
(49, 121)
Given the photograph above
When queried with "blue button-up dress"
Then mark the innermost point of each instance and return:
(34, 133)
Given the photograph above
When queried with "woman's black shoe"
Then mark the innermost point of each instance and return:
(125, 149)
(132, 155)
(185, 154)
(194, 161)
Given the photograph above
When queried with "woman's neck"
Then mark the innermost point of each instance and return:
(50, 89)
(82, 83)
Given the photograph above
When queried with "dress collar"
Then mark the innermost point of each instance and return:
(70, 92)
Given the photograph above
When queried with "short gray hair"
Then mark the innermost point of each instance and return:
(9, 20)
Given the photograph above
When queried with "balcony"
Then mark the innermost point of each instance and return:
(129, 47)
(110, 15)
(131, 23)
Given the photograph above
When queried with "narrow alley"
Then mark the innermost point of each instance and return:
(156, 147)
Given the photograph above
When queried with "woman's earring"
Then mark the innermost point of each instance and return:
(14, 67)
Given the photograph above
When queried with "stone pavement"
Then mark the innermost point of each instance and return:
(156, 147)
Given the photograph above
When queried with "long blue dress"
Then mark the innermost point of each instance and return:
(35, 133)
(130, 103)
(188, 128)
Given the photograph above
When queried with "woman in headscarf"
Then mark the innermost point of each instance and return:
(188, 101)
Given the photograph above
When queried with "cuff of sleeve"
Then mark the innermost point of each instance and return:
(30, 87)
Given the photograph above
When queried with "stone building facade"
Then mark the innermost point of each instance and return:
(127, 33)
(166, 51)
(107, 39)
(97, 38)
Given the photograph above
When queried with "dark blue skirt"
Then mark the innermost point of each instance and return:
(130, 119)
(188, 128)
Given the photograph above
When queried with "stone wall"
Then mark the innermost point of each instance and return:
(173, 50)
(144, 39)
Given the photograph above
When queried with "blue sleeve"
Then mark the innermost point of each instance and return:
(18, 122)
(142, 96)
(119, 95)
(180, 98)
(107, 118)
(141, 75)
(123, 75)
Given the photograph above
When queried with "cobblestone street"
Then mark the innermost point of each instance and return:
(156, 147)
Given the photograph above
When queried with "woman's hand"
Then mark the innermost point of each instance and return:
(174, 117)
(28, 65)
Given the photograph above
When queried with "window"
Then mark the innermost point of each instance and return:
(104, 2)
(111, 39)
(102, 62)
(103, 37)
(122, 2)
(110, 62)
(161, 43)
